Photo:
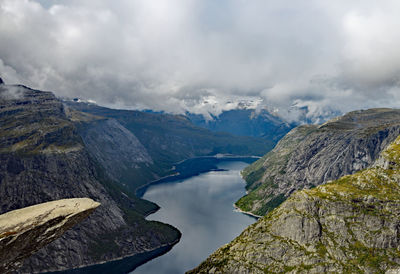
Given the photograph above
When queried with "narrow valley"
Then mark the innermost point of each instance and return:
(201, 207)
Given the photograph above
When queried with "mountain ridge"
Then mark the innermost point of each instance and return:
(245, 122)
(40, 148)
(349, 225)
(169, 139)
(311, 155)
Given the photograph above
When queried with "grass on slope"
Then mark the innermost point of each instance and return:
(261, 174)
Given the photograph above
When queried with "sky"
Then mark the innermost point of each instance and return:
(205, 55)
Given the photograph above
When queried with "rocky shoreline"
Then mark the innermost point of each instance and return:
(237, 209)
(123, 264)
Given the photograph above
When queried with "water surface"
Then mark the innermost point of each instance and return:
(201, 207)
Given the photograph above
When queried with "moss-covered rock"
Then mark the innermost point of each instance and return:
(350, 225)
(43, 158)
(311, 155)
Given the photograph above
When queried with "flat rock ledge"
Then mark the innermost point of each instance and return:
(25, 231)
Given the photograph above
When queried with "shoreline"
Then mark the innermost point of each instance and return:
(220, 156)
(247, 192)
(143, 188)
(237, 209)
(139, 191)
(92, 268)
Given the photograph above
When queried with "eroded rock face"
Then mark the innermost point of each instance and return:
(350, 225)
(312, 155)
(25, 231)
(43, 158)
(116, 148)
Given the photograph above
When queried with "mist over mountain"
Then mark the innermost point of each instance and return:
(205, 56)
(108, 99)
(327, 197)
(43, 158)
(245, 122)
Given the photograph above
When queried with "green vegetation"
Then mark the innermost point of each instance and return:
(344, 226)
(134, 211)
(321, 249)
(169, 139)
(43, 157)
(246, 202)
(133, 207)
(253, 175)
(103, 244)
(260, 198)
(370, 129)
(273, 203)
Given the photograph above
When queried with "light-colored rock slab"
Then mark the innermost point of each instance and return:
(24, 231)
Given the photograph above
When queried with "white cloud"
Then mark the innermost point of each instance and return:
(174, 55)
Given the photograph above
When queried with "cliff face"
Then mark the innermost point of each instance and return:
(311, 155)
(118, 150)
(24, 231)
(42, 158)
(172, 138)
(115, 147)
(350, 225)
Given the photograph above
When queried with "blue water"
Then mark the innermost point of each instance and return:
(201, 207)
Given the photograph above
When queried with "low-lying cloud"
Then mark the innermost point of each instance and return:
(206, 55)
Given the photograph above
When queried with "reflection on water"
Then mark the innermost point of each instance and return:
(201, 208)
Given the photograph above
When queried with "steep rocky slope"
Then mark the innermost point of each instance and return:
(24, 231)
(350, 225)
(172, 138)
(43, 158)
(118, 150)
(310, 155)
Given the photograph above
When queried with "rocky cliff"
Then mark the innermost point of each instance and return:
(118, 150)
(24, 231)
(350, 225)
(43, 158)
(172, 138)
(310, 155)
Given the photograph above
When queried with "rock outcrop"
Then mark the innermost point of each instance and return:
(43, 158)
(311, 155)
(25, 231)
(117, 150)
(350, 225)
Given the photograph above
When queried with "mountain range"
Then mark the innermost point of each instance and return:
(326, 195)
(43, 158)
(330, 197)
(162, 139)
(311, 155)
(52, 149)
(245, 122)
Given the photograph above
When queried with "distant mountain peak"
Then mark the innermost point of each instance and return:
(245, 122)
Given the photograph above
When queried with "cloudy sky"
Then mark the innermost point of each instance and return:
(205, 55)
